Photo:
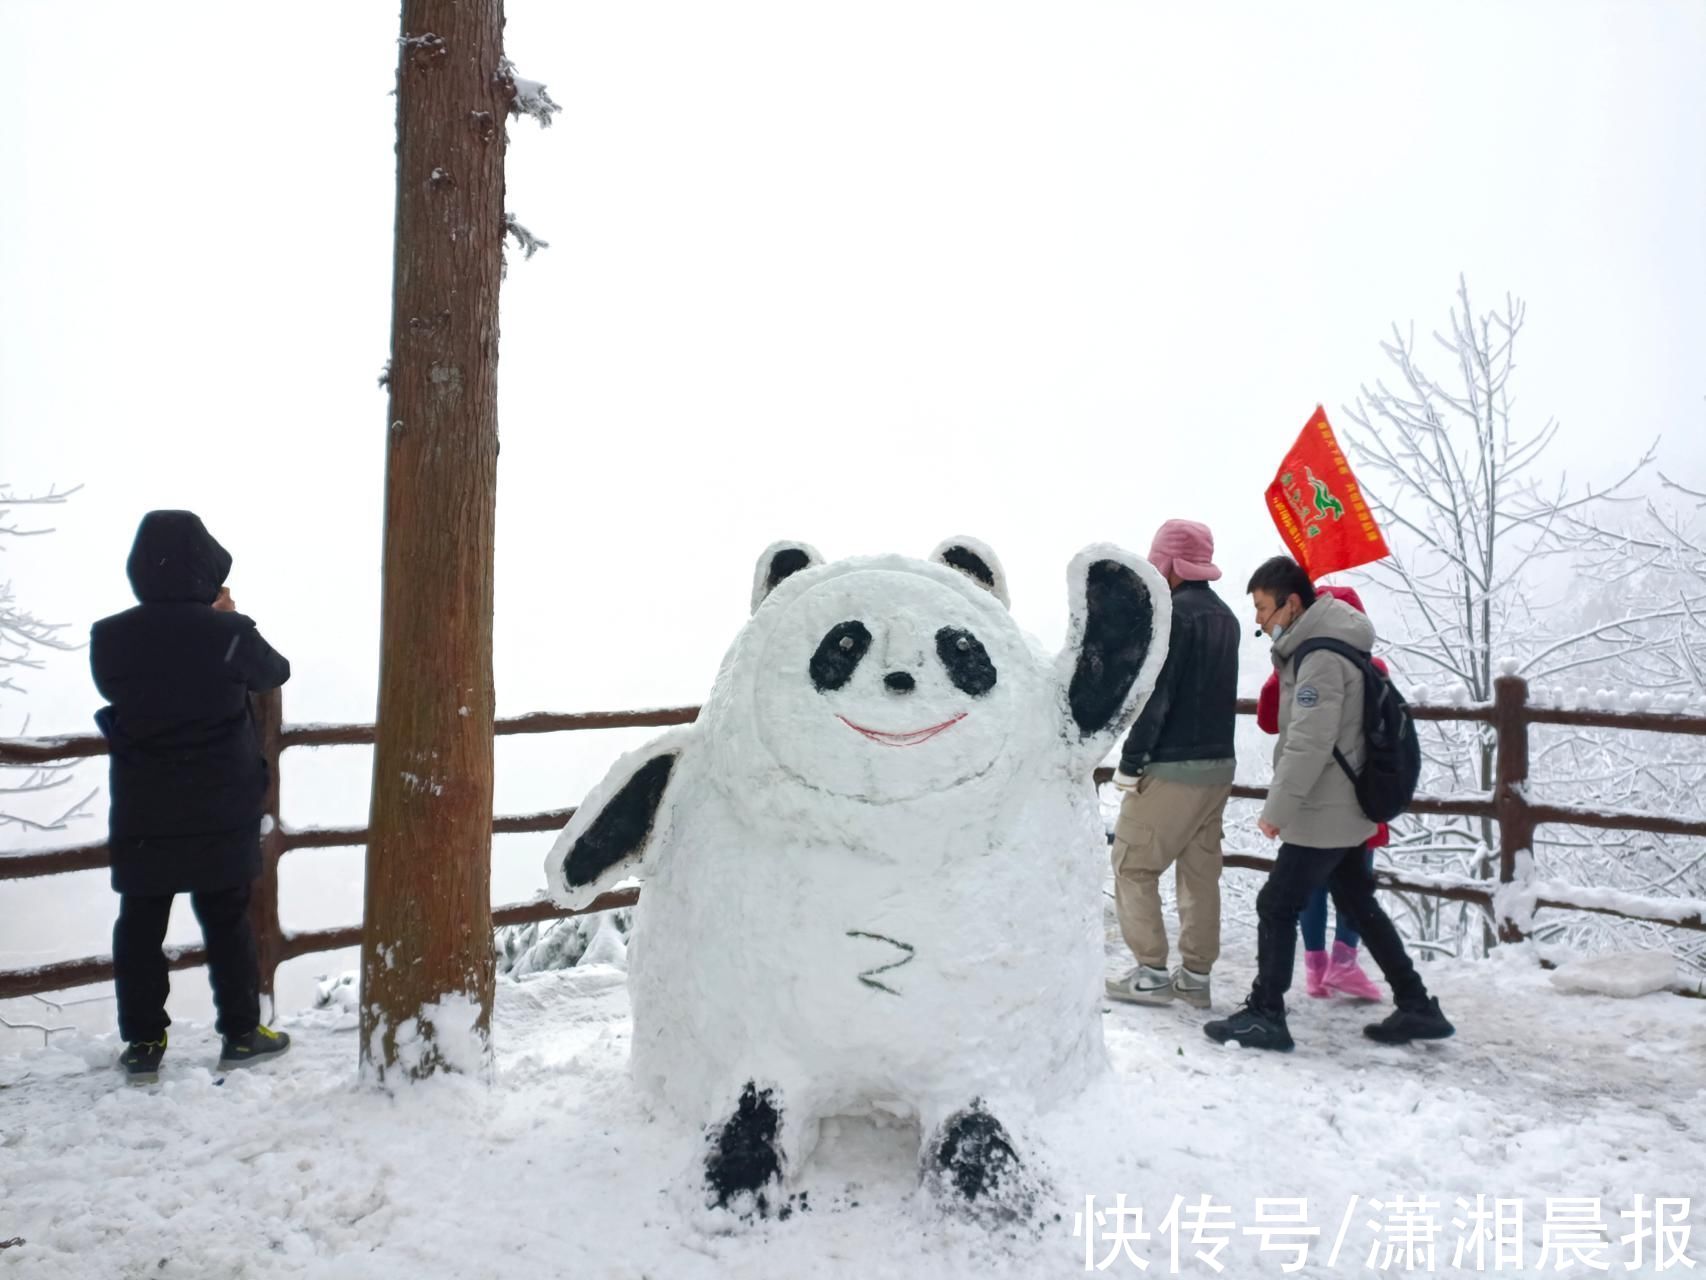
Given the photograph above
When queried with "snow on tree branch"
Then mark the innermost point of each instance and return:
(527, 97)
(75, 813)
(427, 43)
(1683, 489)
(23, 636)
(53, 497)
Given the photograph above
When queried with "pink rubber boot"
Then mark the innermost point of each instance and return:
(1344, 976)
(1315, 974)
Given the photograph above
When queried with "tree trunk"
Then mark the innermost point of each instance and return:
(426, 962)
(1485, 868)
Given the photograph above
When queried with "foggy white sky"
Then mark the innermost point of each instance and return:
(864, 275)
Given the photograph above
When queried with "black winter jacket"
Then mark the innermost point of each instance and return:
(1194, 709)
(187, 778)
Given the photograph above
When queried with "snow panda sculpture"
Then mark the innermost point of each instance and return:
(872, 869)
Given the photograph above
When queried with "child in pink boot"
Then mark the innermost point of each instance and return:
(1337, 973)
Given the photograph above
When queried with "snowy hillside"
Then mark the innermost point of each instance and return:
(292, 1170)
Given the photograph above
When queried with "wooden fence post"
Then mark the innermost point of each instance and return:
(263, 907)
(1516, 823)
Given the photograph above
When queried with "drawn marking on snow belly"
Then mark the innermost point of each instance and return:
(911, 739)
(868, 977)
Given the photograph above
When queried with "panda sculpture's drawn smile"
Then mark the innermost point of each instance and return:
(910, 739)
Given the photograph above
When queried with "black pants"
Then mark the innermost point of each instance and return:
(1298, 872)
(139, 965)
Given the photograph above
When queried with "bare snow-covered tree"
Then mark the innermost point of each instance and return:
(33, 797)
(1481, 532)
(1653, 568)
(1639, 642)
(1461, 488)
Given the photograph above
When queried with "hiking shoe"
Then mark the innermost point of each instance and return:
(1401, 1026)
(1253, 1028)
(141, 1060)
(260, 1044)
(1191, 987)
(1142, 985)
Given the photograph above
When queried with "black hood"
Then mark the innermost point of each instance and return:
(176, 561)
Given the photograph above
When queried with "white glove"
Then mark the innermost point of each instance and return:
(1124, 781)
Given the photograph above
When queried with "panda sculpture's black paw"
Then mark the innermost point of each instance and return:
(973, 1163)
(744, 1162)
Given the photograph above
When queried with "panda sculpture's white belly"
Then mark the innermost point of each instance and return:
(854, 978)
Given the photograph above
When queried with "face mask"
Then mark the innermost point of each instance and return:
(1275, 630)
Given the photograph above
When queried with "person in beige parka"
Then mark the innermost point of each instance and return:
(1312, 809)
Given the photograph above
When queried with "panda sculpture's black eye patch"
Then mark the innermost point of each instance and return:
(838, 654)
(967, 661)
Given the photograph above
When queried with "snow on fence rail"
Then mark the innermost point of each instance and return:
(1512, 899)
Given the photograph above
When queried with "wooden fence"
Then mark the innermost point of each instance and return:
(1510, 715)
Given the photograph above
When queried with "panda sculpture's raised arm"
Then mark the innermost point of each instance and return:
(872, 869)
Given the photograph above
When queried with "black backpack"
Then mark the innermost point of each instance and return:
(1393, 765)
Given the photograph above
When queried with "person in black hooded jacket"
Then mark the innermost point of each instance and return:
(187, 784)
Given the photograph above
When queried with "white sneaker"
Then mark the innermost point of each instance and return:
(1192, 988)
(1142, 985)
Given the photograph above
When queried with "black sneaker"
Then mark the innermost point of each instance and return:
(141, 1060)
(1253, 1028)
(1401, 1026)
(260, 1044)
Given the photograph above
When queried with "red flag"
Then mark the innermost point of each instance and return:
(1318, 506)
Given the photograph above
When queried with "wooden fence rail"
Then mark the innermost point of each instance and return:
(1507, 805)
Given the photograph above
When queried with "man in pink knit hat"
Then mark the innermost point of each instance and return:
(1176, 773)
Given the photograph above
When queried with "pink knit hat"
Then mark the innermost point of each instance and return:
(1186, 548)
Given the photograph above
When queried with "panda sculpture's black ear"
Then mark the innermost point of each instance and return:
(780, 560)
(977, 562)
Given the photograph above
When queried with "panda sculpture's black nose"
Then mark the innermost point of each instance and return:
(899, 682)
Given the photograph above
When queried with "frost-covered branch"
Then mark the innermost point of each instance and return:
(24, 637)
(524, 239)
(46, 1033)
(8, 500)
(527, 97)
(1683, 489)
(76, 813)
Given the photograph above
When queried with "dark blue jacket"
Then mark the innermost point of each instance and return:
(1194, 710)
(187, 777)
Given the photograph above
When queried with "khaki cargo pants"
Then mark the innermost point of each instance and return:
(1170, 824)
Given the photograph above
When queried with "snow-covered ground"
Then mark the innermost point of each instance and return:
(559, 1168)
